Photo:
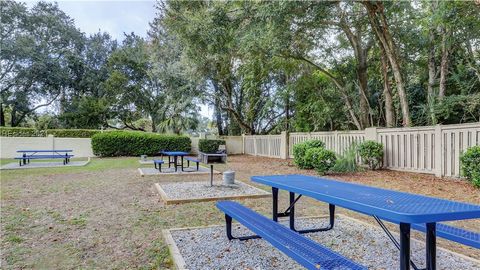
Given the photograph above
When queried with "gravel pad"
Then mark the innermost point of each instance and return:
(208, 248)
(202, 189)
(186, 170)
(32, 165)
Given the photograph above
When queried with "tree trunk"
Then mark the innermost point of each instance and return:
(379, 24)
(217, 109)
(154, 125)
(363, 94)
(2, 116)
(13, 117)
(444, 64)
(387, 94)
(360, 52)
(431, 57)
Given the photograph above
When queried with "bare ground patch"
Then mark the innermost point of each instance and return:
(109, 217)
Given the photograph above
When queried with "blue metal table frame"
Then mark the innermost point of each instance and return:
(404, 208)
(175, 155)
(29, 153)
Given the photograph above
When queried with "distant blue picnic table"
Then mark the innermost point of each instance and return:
(27, 155)
(407, 210)
(175, 155)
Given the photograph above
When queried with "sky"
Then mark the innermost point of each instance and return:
(113, 16)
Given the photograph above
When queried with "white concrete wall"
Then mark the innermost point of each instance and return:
(82, 147)
(234, 144)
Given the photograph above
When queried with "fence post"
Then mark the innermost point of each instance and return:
(438, 151)
(51, 140)
(371, 134)
(284, 145)
(243, 144)
(254, 145)
(336, 147)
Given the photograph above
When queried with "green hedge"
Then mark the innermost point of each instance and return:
(32, 132)
(209, 146)
(73, 133)
(21, 132)
(132, 143)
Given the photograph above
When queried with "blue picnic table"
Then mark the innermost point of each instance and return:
(406, 209)
(175, 155)
(27, 155)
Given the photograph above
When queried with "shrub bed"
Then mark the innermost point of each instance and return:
(209, 146)
(470, 165)
(133, 143)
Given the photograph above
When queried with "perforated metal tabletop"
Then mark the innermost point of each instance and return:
(174, 153)
(389, 204)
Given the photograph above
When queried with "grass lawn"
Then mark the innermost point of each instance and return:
(106, 216)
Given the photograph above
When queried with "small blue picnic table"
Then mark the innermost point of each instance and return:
(40, 154)
(405, 209)
(175, 155)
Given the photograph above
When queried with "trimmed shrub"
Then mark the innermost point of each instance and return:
(321, 159)
(136, 143)
(32, 132)
(21, 132)
(73, 133)
(371, 153)
(315, 144)
(209, 146)
(471, 165)
(300, 149)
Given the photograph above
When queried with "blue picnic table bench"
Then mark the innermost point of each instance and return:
(27, 155)
(410, 211)
(173, 158)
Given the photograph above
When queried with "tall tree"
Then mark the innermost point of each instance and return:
(36, 45)
(379, 24)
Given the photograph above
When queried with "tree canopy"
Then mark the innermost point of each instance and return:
(263, 66)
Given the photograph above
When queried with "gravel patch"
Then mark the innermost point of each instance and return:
(202, 189)
(208, 248)
(168, 171)
(34, 165)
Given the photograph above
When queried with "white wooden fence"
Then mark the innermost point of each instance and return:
(432, 149)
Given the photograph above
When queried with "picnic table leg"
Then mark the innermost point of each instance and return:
(175, 160)
(181, 163)
(197, 165)
(292, 211)
(228, 221)
(168, 161)
(431, 246)
(404, 246)
(275, 204)
(211, 175)
(24, 159)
